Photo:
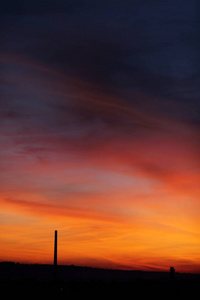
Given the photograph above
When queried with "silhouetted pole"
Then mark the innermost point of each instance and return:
(55, 255)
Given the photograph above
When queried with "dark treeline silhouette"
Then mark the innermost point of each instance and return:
(17, 271)
(34, 279)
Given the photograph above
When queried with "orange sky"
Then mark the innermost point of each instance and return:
(118, 181)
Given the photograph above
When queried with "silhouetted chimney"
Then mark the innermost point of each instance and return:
(55, 255)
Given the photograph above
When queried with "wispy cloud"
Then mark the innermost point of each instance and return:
(99, 120)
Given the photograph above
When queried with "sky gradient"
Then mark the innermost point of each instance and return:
(99, 133)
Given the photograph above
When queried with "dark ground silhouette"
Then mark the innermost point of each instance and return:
(22, 280)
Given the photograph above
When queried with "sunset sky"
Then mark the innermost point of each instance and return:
(99, 133)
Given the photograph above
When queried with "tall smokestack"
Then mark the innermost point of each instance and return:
(55, 255)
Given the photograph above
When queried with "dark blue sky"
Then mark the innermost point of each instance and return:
(150, 46)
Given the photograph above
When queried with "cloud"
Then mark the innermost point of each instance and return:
(128, 46)
(76, 120)
(99, 119)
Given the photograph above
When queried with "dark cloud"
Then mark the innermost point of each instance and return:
(150, 47)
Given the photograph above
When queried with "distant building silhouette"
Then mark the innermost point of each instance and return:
(171, 273)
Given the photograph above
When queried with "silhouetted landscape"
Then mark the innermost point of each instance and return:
(34, 279)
